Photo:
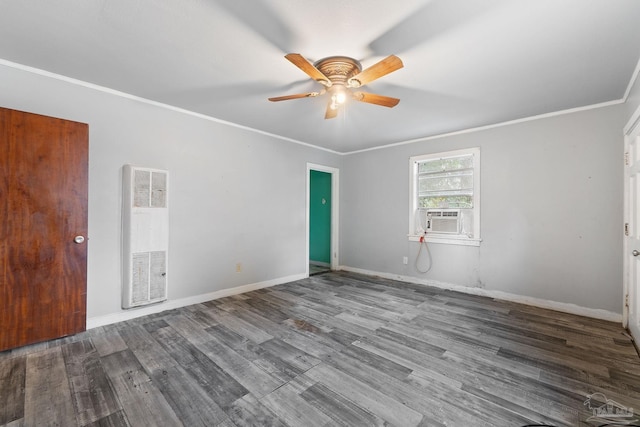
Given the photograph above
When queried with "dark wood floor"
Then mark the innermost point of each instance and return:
(334, 349)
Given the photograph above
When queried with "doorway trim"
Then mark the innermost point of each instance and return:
(631, 131)
(335, 210)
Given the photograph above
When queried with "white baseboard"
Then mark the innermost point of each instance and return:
(94, 322)
(536, 302)
(634, 328)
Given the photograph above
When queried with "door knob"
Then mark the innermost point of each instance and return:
(635, 252)
(78, 239)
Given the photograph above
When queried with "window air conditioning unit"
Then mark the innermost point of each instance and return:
(443, 221)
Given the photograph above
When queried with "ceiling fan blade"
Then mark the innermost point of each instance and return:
(372, 98)
(332, 110)
(306, 66)
(296, 96)
(388, 65)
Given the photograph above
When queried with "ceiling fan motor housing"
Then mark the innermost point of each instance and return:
(338, 69)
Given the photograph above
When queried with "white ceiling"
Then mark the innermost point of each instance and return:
(468, 63)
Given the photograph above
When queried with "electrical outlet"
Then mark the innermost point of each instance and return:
(405, 260)
(238, 267)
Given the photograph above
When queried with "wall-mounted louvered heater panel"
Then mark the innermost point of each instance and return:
(145, 235)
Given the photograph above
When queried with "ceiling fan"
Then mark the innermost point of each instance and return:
(340, 74)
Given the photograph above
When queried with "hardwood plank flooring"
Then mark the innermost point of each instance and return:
(336, 349)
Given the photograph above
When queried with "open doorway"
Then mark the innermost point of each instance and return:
(322, 219)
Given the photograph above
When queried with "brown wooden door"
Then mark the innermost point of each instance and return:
(43, 207)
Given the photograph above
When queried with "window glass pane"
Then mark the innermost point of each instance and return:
(461, 180)
(446, 193)
(443, 202)
(446, 164)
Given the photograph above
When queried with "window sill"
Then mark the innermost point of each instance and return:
(446, 239)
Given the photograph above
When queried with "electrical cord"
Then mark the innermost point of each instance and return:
(423, 242)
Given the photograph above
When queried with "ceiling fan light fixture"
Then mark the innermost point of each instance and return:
(339, 95)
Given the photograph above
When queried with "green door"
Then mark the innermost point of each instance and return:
(320, 217)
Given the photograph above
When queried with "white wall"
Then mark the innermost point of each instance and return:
(551, 210)
(235, 195)
(551, 199)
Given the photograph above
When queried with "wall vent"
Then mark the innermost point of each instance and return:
(145, 236)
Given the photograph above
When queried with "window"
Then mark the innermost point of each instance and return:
(445, 197)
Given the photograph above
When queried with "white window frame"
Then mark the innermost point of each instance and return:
(432, 237)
